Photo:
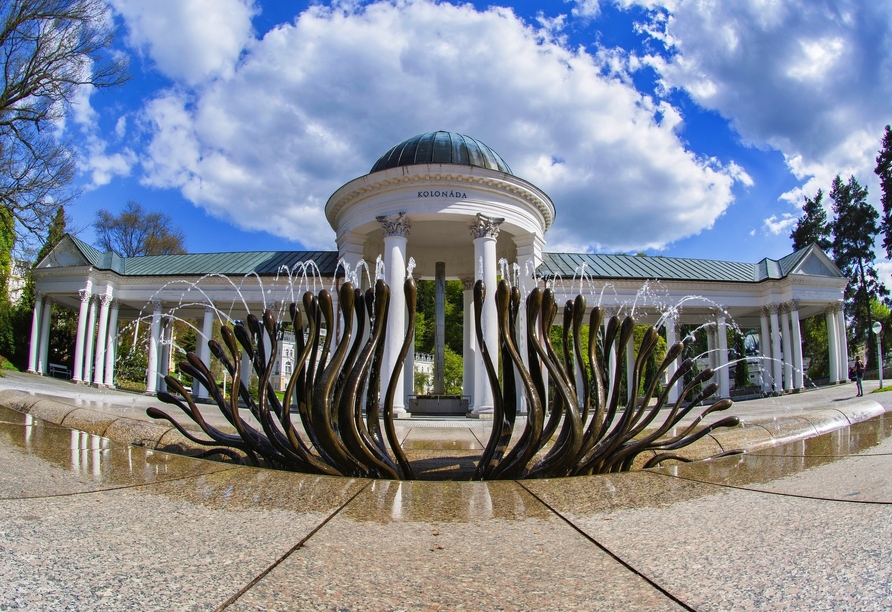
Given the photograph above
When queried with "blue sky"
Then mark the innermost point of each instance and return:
(673, 127)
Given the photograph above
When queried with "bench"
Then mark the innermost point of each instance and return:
(57, 368)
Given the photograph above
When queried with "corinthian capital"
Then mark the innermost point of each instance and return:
(394, 225)
(486, 227)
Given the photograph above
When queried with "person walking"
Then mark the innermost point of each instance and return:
(859, 374)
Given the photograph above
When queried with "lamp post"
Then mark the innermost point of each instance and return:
(877, 328)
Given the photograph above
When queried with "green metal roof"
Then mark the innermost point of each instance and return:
(441, 148)
(564, 265)
(264, 263)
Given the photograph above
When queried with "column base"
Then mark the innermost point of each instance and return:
(484, 412)
(400, 412)
(30, 371)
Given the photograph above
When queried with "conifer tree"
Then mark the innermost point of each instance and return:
(813, 226)
(854, 232)
(884, 171)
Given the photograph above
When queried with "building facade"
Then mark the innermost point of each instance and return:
(438, 197)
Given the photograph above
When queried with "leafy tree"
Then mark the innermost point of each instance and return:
(884, 172)
(814, 347)
(136, 232)
(49, 49)
(854, 230)
(453, 372)
(813, 226)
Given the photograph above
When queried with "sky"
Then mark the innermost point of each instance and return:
(683, 128)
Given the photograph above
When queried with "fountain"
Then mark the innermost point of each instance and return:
(346, 428)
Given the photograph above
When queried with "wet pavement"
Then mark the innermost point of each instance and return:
(92, 523)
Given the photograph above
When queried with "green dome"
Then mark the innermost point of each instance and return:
(441, 148)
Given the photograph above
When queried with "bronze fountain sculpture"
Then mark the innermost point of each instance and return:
(334, 390)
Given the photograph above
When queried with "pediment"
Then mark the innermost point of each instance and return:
(66, 254)
(816, 263)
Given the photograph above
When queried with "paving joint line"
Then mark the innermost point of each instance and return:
(293, 549)
(778, 493)
(609, 552)
(119, 488)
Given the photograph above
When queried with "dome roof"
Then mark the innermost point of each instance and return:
(441, 148)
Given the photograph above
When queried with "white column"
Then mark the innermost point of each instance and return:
(630, 367)
(671, 339)
(611, 356)
(843, 344)
(164, 350)
(102, 337)
(485, 231)
(80, 342)
(351, 247)
(204, 353)
(832, 345)
(469, 346)
(111, 345)
(43, 357)
(765, 349)
(90, 338)
(724, 371)
(396, 232)
(529, 257)
(710, 346)
(154, 349)
(798, 373)
(34, 347)
(776, 364)
(786, 337)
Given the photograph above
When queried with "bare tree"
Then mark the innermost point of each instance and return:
(48, 49)
(137, 232)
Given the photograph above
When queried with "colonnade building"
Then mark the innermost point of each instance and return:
(440, 200)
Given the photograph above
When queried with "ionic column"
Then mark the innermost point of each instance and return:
(102, 337)
(111, 345)
(154, 346)
(204, 353)
(798, 374)
(34, 347)
(765, 349)
(396, 233)
(469, 344)
(80, 342)
(485, 231)
(91, 339)
(843, 343)
(710, 348)
(832, 344)
(723, 370)
(788, 347)
(43, 357)
(776, 364)
(671, 338)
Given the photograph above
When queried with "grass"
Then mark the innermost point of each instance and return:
(881, 389)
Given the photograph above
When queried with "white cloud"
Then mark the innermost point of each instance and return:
(587, 8)
(810, 79)
(314, 103)
(189, 40)
(780, 225)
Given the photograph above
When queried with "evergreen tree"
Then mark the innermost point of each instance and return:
(854, 233)
(813, 226)
(884, 171)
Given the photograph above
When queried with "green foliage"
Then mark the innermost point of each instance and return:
(813, 226)
(425, 315)
(421, 382)
(815, 346)
(133, 357)
(453, 372)
(854, 230)
(884, 171)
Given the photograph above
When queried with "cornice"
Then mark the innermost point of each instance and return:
(515, 186)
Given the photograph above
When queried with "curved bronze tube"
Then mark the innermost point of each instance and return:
(411, 293)
(484, 464)
(380, 302)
